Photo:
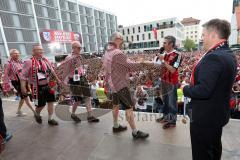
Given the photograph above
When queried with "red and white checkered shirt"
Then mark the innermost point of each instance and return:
(67, 67)
(27, 72)
(9, 73)
(70, 67)
(12, 72)
(116, 68)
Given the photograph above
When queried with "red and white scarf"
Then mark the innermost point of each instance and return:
(35, 69)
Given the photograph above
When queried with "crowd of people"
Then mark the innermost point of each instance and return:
(139, 80)
(128, 80)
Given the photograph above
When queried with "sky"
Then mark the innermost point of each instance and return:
(133, 12)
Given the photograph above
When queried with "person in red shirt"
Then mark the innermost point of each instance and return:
(149, 82)
(171, 61)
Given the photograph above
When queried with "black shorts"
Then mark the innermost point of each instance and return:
(17, 86)
(79, 92)
(44, 96)
(122, 97)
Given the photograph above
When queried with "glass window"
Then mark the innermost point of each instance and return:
(162, 34)
(133, 30)
(45, 12)
(139, 29)
(128, 31)
(1, 37)
(66, 6)
(16, 20)
(3, 53)
(132, 38)
(19, 35)
(23, 50)
(13, 6)
(149, 35)
(143, 37)
(137, 37)
(123, 32)
(32, 23)
(43, 1)
(68, 16)
(150, 27)
(29, 8)
(35, 38)
(127, 38)
(47, 24)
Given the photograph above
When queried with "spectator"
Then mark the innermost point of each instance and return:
(141, 96)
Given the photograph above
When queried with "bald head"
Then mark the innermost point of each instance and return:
(76, 47)
(37, 50)
(15, 54)
(13, 51)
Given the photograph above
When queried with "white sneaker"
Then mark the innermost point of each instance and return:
(21, 114)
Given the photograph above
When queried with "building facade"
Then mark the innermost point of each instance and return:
(22, 21)
(192, 29)
(234, 38)
(150, 36)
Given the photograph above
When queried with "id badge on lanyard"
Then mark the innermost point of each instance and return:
(76, 76)
(41, 76)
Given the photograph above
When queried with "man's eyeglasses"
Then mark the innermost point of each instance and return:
(77, 47)
(119, 38)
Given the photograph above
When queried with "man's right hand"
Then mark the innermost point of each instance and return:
(161, 57)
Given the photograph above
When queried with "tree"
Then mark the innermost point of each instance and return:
(189, 44)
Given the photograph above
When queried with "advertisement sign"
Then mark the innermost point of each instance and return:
(50, 36)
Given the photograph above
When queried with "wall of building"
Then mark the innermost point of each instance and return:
(141, 37)
(233, 39)
(192, 32)
(23, 20)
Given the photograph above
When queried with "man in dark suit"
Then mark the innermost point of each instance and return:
(211, 83)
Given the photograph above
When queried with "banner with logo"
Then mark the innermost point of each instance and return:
(49, 36)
